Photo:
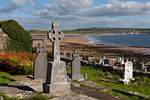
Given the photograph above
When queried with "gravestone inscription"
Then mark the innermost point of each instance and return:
(40, 63)
(56, 80)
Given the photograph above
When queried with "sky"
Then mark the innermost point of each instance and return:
(74, 14)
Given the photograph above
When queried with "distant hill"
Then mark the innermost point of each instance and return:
(37, 31)
(101, 31)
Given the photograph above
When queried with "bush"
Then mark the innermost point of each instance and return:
(49, 55)
(20, 40)
(17, 63)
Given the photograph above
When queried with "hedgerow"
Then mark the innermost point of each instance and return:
(19, 39)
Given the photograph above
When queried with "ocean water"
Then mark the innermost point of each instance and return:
(134, 40)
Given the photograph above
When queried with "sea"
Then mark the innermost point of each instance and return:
(126, 40)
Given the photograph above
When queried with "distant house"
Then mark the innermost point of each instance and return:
(3, 37)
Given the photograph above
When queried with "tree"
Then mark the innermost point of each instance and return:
(19, 39)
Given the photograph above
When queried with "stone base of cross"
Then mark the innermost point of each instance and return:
(56, 82)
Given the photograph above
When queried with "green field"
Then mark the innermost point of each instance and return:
(97, 31)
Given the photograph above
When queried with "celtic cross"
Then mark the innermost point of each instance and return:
(41, 48)
(55, 36)
(75, 55)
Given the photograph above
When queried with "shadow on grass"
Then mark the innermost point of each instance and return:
(129, 94)
(4, 77)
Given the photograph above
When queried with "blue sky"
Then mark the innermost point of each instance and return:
(73, 14)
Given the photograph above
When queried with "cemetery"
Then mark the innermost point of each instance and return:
(59, 71)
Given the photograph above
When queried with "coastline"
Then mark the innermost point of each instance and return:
(81, 44)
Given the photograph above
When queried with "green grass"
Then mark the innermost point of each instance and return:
(5, 78)
(37, 31)
(95, 75)
(124, 96)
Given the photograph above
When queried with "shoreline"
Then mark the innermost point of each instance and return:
(72, 43)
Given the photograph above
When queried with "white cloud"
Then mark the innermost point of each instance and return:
(72, 14)
(15, 4)
(83, 8)
(64, 8)
(21, 3)
(118, 8)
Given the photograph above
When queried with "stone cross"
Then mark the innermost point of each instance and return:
(55, 36)
(40, 63)
(56, 80)
(75, 55)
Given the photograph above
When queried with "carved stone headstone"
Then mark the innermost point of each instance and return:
(128, 72)
(75, 66)
(56, 80)
(70, 55)
(65, 56)
(40, 63)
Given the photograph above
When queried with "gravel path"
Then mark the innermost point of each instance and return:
(15, 89)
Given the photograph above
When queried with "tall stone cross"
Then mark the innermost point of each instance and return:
(55, 36)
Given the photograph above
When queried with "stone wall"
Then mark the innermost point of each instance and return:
(3, 37)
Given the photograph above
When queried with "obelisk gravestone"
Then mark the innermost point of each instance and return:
(56, 81)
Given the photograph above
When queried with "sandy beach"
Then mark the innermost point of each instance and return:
(85, 48)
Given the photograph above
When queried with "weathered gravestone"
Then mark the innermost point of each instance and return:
(70, 55)
(40, 63)
(128, 72)
(65, 56)
(75, 66)
(56, 80)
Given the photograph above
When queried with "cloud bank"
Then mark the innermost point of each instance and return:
(73, 14)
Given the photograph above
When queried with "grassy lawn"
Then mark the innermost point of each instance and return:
(5, 78)
(96, 75)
